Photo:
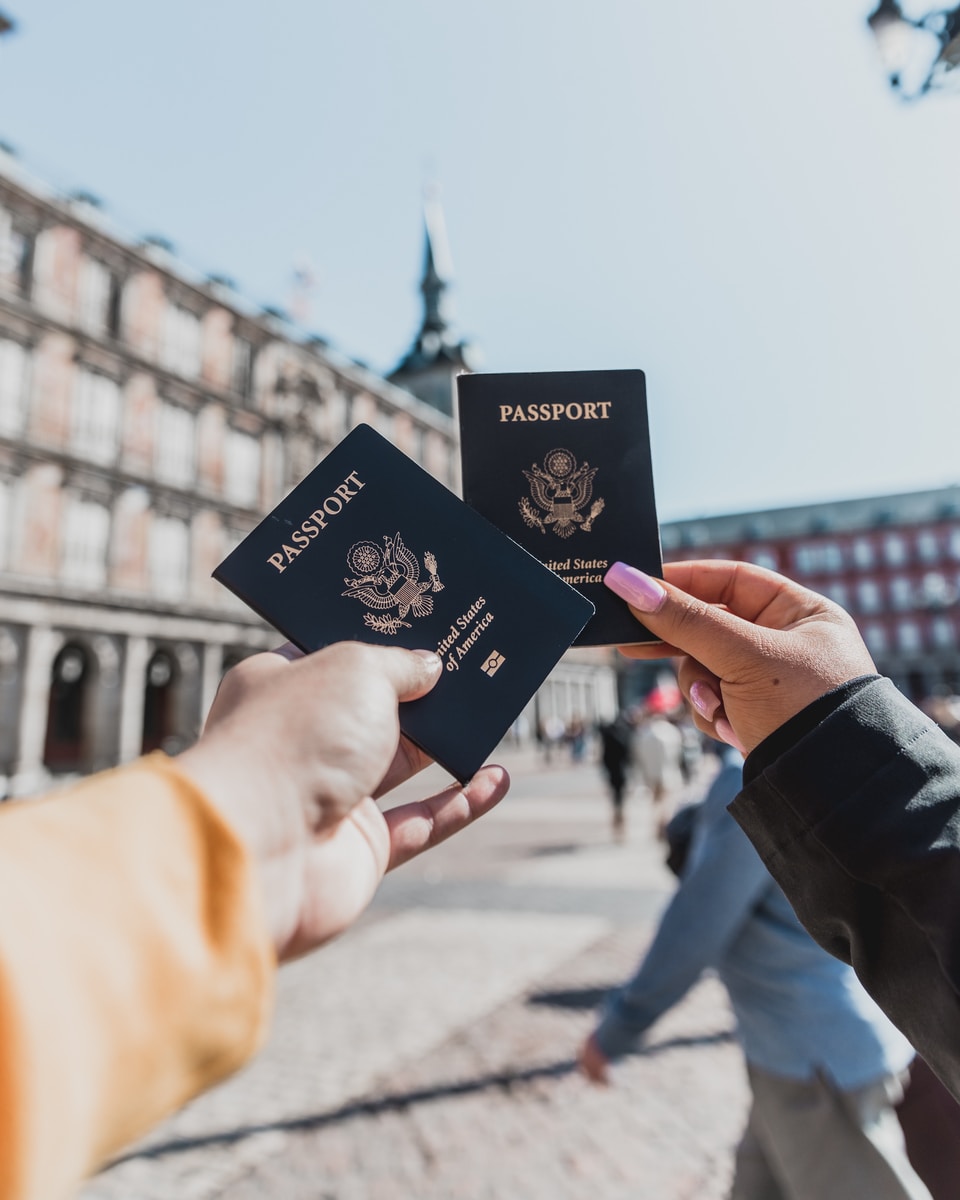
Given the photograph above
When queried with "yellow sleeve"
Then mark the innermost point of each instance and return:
(135, 968)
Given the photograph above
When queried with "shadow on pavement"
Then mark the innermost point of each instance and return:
(504, 1080)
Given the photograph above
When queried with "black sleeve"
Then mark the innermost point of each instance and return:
(858, 820)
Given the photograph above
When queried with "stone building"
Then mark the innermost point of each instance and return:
(893, 562)
(148, 418)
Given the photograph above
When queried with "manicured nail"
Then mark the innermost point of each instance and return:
(638, 589)
(725, 733)
(431, 660)
(704, 699)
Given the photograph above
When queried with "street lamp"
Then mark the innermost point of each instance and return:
(895, 34)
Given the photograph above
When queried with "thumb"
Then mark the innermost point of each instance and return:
(709, 632)
(412, 673)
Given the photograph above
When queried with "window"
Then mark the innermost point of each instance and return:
(863, 555)
(838, 594)
(954, 543)
(943, 633)
(99, 306)
(908, 636)
(169, 557)
(175, 445)
(937, 592)
(86, 532)
(181, 342)
(868, 596)
(901, 593)
(16, 255)
(895, 550)
(241, 368)
(383, 423)
(6, 514)
(96, 416)
(928, 546)
(13, 386)
(819, 556)
(876, 638)
(242, 469)
(764, 558)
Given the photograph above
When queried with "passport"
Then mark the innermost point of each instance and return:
(560, 461)
(369, 547)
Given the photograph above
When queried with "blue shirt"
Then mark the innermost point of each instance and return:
(798, 1009)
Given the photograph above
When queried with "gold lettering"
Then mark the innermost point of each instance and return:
(518, 414)
(312, 526)
(574, 416)
(505, 411)
(604, 405)
(589, 411)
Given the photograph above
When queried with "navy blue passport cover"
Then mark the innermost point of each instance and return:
(371, 548)
(560, 461)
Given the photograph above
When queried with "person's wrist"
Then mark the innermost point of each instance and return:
(235, 782)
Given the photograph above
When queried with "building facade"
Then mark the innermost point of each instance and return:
(893, 562)
(147, 421)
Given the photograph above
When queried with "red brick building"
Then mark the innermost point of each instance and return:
(892, 561)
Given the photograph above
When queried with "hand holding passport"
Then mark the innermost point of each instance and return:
(371, 548)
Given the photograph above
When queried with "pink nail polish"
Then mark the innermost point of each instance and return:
(704, 699)
(725, 733)
(639, 590)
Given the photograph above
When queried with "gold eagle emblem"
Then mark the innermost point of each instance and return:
(388, 577)
(561, 488)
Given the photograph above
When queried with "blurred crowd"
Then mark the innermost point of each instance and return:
(653, 743)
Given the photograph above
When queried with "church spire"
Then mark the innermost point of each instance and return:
(436, 356)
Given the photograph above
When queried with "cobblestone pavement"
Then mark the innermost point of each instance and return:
(429, 1053)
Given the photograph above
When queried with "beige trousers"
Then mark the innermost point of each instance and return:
(807, 1140)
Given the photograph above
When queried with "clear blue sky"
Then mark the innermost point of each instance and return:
(725, 195)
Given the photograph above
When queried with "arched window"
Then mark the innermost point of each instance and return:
(65, 747)
(159, 723)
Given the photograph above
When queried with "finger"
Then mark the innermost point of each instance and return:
(412, 673)
(288, 651)
(702, 689)
(649, 651)
(416, 827)
(407, 762)
(717, 636)
(748, 591)
(237, 682)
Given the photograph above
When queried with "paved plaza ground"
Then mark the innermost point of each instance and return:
(429, 1054)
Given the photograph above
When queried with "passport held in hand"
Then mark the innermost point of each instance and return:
(561, 462)
(371, 548)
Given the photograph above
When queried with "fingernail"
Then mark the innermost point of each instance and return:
(431, 660)
(704, 699)
(638, 589)
(725, 733)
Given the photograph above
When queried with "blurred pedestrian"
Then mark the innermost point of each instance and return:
(616, 753)
(826, 1067)
(659, 750)
(554, 730)
(576, 735)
